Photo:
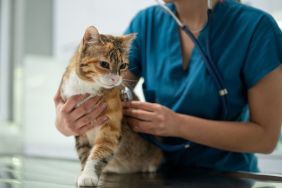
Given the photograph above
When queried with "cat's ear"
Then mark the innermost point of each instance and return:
(128, 39)
(91, 35)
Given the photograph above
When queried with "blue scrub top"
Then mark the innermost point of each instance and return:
(246, 44)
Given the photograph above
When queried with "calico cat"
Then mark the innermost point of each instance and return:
(97, 68)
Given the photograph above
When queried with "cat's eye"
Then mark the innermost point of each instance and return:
(105, 64)
(123, 66)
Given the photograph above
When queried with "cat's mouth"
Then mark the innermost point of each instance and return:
(109, 81)
(108, 85)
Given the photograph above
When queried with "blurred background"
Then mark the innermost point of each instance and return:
(37, 39)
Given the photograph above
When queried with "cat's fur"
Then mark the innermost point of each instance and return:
(112, 147)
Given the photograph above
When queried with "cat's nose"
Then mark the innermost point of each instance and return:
(114, 79)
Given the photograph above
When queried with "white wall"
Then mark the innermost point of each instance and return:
(4, 60)
(271, 6)
(268, 5)
(38, 27)
(72, 17)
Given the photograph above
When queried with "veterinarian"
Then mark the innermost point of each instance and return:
(183, 104)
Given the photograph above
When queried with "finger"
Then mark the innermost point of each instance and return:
(140, 126)
(84, 129)
(84, 120)
(72, 102)
(57, 98)
(99, 122)
(142, 105)
(98, 111)
(85, 108)
(90, 117)
(125, 104)
(64, 130)
(102, 120)
(139, 114)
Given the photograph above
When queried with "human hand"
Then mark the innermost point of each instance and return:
(151, 118)
(72, 120)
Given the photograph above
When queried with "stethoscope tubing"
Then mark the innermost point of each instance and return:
(212, 69)
(207, 58)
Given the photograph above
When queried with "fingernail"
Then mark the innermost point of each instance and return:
(104, 118)
(96, 96)
(103, 105)
(94, 99)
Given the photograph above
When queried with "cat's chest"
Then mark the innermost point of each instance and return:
(73, 85)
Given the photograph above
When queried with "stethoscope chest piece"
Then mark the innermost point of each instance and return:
(126, 94)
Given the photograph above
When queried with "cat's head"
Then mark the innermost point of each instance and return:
(103, 59)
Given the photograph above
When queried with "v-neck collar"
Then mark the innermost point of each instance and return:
(174, 43)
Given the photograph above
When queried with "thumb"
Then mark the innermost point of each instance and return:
(57, 98)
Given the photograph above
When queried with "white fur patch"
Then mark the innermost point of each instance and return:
(75, 86)
(110, 80)
(91, 134)
(89, 175)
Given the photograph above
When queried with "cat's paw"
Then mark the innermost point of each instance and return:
(150, 169)
(87, 180)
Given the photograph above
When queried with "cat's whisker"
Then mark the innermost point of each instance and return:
(125, 84)
(132, 68)
(129, 85)
(128, 80)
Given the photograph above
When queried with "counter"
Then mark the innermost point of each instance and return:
(30, 172)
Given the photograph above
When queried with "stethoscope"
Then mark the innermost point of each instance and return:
(212, 69)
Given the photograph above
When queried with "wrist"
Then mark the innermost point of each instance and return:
(178, 130)
(182, 123)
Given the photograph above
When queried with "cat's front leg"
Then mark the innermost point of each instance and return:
(106, 142)
(83, 149)
(88, 176)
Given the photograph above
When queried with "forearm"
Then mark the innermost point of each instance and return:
(225, 135)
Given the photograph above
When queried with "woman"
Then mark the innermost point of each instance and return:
(182, 100)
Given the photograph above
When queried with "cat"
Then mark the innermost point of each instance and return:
(97, 68)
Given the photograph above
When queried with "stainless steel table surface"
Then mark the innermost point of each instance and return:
(31, 172)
